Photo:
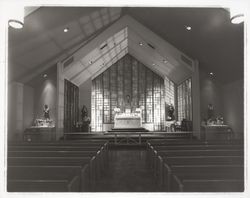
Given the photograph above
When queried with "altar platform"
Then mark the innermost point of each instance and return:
(128, 138)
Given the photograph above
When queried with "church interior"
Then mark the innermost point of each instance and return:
(125, 99)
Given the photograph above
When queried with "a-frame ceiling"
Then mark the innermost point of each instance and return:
(127, 36)
(217, 44)
(42, 42)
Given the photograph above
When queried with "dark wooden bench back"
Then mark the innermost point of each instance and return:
(51, 153)
(210, 152)
(205, 160)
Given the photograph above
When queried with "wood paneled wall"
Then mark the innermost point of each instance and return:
(128, 77)
(71, 105)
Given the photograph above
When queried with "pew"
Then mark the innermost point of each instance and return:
(67, 147)
(56, 185)
(43, 159)
(155, 162)
(48, 175)
(208, 185)
(205, 172)
(197, 160)
(165, 156)
(194, 147)
(173, 148)
(158, 142)
(101, 159)
(186, 160)
(207, 152)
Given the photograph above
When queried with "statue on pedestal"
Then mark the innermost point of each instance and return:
(85, 119)
(170, 111)
(210, 111)
(46, 112)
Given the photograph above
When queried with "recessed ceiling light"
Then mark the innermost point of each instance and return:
(16, 24)
(45, 75)
(153, 64)
(211, 73)
(65, 30)
(140, 43)
(188, 27)
(165, 61)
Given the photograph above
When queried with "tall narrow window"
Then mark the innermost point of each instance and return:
(169, 91)
(184, 93)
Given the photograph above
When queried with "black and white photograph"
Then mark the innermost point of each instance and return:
(129, 98)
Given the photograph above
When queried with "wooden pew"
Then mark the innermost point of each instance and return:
(159, 142)
(151, 153)
(186, 160)
(98, 163)
(158, 156)
(201, 171)
(194, 147)
(45, 176)
(61, 154)
(46, 152)
(58, 161)
(154, 162)
(157, 163)
(56, 185)
(208, 185)
(78, 142)
(208, 152)
(61, 147)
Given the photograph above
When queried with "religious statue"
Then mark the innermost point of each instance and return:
(170, 112)
(210, 111)
(84, 113)
(46, 112)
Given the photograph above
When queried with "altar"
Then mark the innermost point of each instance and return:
(127, 120)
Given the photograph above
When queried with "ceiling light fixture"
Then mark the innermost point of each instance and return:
(211, 73)
(16, 17)
(140, 43)
(236, 15)
(237, 19)
(188, 28)
(16, 24)
(45, 75)
(90, 62)
(165, 61)
(65, 30)
(153, 64)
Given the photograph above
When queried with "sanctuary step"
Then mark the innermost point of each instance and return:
(141, 129)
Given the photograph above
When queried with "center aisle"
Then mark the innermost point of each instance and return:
(128, 172)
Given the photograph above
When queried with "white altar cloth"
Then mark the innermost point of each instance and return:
(127, 121)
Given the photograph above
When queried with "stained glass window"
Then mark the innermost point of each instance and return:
(184, 96)
(127, 78)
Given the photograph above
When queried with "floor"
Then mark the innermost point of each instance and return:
(127, 172)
